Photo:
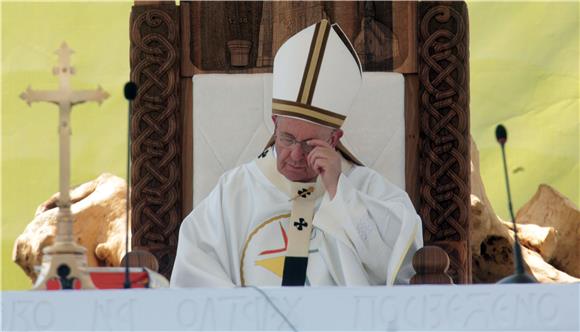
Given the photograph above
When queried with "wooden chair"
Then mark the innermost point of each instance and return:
(427, 42)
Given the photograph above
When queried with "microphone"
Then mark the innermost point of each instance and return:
(130, 92)
(520, 276)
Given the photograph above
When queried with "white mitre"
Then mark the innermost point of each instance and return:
(316, 77)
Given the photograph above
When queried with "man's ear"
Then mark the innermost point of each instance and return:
(336, 136)
(274, 118)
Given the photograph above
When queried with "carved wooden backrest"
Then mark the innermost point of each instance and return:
(426, 41)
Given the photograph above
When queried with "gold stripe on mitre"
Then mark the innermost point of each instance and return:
(313, 62)
(307, 112)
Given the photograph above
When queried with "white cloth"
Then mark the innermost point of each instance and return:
(366, 235)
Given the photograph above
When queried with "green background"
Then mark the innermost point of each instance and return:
(524, 74)
(31, 32)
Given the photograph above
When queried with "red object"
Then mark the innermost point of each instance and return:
(273, 251)
(56, 284)
(106, 278)
(116, 279)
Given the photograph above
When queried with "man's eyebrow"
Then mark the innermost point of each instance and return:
(287, 134)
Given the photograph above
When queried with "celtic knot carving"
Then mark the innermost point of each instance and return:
(444, 97)
(155, 125)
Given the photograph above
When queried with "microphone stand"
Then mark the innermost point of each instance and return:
(520, 276)
(130, 92)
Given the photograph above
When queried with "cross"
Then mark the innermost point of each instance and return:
(304, 192)
(64, 247)
(65, 98)
(300, 224)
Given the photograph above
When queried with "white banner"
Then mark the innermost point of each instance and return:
(400, 308)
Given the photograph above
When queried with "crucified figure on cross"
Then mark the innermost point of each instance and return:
(64, 251)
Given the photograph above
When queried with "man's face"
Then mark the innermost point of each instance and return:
(291, 161)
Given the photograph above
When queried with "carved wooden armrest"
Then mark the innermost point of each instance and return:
(431, 264)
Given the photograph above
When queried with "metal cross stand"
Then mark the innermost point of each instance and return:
(64, 264)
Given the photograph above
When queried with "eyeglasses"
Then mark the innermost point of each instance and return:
(289, 142)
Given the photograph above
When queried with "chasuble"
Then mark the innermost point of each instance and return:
(240, 234)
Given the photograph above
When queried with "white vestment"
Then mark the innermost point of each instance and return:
(237, 236)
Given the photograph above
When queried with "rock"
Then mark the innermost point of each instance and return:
(540, 239)
(543, 271)
(492, 240)
(98, 209)
(549, 208)
(493, 261)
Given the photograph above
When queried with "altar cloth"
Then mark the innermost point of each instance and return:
(544, 307)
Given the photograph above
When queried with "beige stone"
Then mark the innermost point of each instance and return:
(484, 221)
(538, 238)
(98, 209)
(491, 240)
(543, 271)
(550, 208)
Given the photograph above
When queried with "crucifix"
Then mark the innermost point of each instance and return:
(64, 264)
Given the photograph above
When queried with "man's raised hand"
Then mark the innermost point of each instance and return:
(325, 160)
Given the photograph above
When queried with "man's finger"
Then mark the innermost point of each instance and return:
(315, 158)
(321, 150)
(317, 153)
(311, 158)
(320, 165)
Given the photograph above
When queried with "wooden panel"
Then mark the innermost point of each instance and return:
(186, 103)
(405, 28)
(156, 132)
(216, 25)
(289, 17)
(348, 14)
(444, 117)
(187, 146)
(265, 56)
(195, 28)
(375, 42)
(187, 69)
(412, 138)
(383, 33)
(368, 25)
(149, 2)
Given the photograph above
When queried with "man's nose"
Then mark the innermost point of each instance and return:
(297, 152)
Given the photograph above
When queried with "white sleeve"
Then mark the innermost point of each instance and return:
(202, 255)
(377, 228)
